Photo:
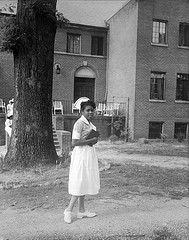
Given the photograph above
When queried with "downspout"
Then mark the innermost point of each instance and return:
(107, 62)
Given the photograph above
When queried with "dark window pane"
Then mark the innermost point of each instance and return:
(155, 130)
(180, 129)
(182, 90)
(184, 34)
(97, 45)
(157, 86)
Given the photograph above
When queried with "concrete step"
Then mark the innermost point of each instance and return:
(56, 142)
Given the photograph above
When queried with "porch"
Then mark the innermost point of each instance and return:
(66, 107)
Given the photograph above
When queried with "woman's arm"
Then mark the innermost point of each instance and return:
(82, 142)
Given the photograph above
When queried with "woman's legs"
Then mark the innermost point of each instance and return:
(81, 206)
(81, 209)
(73, 200)
(69, 209)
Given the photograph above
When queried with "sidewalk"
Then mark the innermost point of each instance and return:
(137, 216)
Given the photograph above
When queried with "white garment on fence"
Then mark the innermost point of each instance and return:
(8, 126)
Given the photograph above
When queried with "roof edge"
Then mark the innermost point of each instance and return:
(117, 11)
(78, 25)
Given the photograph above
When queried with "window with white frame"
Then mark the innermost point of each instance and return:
(157, 86)
(184, 34)
(159, 34)
(73, 43)
(182, 87)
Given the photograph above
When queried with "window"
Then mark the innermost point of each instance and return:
(155, 130)
(97, 46)
(182, 91)
(159, 34)
(184, 34)
(157, 86)
(73, 43)
(180, 130)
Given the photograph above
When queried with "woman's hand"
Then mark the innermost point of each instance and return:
(94, 140)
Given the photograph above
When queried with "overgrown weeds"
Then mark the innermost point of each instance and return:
(163, 234)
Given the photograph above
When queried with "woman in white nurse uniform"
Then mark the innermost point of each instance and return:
(84, 172)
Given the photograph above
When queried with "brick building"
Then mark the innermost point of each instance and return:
(80, 55)
(141, 52)
(80, 52)
(149, 63)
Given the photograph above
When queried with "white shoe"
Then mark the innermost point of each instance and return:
(67, 216)
(85, 214)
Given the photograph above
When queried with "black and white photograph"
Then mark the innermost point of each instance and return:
(94, 120)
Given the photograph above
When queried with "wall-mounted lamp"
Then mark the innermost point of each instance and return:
(57, 68)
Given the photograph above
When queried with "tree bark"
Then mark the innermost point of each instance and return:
(31, 141)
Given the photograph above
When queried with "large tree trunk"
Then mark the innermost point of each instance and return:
(31, 142)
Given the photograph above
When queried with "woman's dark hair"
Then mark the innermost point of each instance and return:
(88, 103)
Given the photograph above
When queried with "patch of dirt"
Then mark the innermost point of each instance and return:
(139, 193)
(166, 155)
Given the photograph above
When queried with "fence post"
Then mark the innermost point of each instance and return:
(127, 121)
(112, 122)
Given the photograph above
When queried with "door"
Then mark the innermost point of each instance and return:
(84, 87)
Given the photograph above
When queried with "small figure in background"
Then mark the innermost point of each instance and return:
(8, 126)
(10, 108)
(8, 122)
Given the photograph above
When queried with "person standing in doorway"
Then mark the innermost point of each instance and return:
(84, 171)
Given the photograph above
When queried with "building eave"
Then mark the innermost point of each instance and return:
(83, 26)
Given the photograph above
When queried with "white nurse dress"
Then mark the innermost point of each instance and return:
(84, 171)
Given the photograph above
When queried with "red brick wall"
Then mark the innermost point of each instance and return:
(70, 63)
(86, 33)
(63, 86)
(169, 59)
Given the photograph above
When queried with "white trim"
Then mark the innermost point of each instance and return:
(156, 100)
(159, 44)
(85, 72)
(180, 101)
(79, 54)
(183, 47)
